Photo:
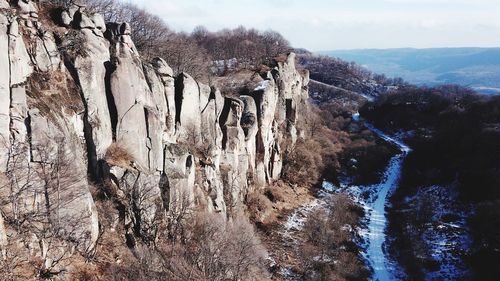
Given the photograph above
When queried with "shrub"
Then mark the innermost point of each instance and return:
(74, 44)
(258, 206)
(118, 155)
(303, 165)
(275, 193)
(225, 250)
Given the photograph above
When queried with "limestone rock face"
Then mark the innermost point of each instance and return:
(293, 92)
(66, 18)
(267, 101)
(40, 121)
(139, 100)
(280, 100)
(26, 7)
(234, 160)
(99, 22)
(249, 123)
(3, 238)
(131, 94)
(181, 172)
(92, 71)
(166, 77)
(4, 93)
(20, 62)
(54, 142)
(85, 21)
(4, 4)
(182, 142)
(141, 195)
(157, 116)
(18, 114)
(187, 105)
(47, 57)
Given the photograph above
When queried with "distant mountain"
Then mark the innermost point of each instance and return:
(478, 68)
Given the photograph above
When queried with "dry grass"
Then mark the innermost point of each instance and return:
(240, 82)
(270, 205)
(260, 208)
(54, 93)
(118, 155)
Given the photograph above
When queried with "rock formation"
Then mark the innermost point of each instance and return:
(90, 105)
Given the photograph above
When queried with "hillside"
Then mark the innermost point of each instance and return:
(478, 68)
(130, 151)
(117, 164)
(443, 216)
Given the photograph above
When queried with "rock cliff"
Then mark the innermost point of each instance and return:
(79, 106)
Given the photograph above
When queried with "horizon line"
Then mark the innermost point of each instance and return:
(399, 48)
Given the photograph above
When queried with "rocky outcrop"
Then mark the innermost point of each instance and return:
(132, 100)
(180, 141)
(41, 124)
(4, 91)
(91, 71)
(266, 98)
(3, 238)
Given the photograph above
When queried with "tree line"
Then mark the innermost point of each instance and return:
(347, 75)
(200, 53)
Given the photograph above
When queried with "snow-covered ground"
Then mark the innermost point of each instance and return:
(293, 225)
(296, 220)
(375, 236)
(447, 234)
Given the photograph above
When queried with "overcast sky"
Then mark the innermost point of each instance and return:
(345, 24)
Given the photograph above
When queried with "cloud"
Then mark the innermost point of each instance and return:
(475, 2)
(335, 24)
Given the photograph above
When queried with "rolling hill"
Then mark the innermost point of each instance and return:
(478, 68)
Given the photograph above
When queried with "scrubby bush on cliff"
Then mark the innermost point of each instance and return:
(118, 155)
(315, 156)
(303, 165)
(259, 206)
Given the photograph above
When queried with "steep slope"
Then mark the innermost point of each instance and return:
(79, 106)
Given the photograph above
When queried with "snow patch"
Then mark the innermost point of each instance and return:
(262, 85)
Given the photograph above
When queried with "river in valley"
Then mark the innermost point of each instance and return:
(446, 239)
(375, 235)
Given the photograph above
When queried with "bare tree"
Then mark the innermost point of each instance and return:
(179, 214)
(37, 206)
(225, 250)
(323, 255)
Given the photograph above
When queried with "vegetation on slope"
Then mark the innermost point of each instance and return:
(348, 76)
(198, 246)
(455, 137)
